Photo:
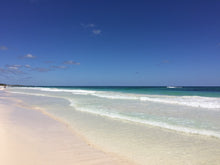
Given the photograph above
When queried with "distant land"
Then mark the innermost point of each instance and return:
(5, 85)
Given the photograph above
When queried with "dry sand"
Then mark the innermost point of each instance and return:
(28, 137)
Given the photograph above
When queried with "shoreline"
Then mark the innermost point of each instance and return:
(29, 136)
(123, 140)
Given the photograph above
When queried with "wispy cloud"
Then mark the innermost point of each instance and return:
(92, 28)
(70, 62)
(51, 68)
(165, 61)
(3, 48)
(16, 67)
(13, 67)
(39, 69)
(96, 31)
(11, 70)
(27, 66)
(91, 25)
(59, 67)
(29, 56)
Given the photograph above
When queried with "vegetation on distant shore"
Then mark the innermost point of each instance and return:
(4, 85)
(1, 84)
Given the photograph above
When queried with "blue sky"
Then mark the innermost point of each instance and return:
(117, 42)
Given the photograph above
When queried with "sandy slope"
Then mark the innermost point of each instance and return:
(28, 137)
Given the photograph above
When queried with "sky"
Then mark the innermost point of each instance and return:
(110, 42)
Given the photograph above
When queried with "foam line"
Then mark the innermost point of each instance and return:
(192, 101)
(142, 121)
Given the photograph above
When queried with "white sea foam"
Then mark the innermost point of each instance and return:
(73, 91)
(125, 117)
(173, 87)
(192, 101)
(115, 96)
(118, 116)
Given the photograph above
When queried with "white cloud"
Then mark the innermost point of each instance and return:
(96, 31)
(10, 69)
(27, 66)
(92, 28)
(29, 56)
(13, 67)
(70, 62)
(17, 66)
(91, 25)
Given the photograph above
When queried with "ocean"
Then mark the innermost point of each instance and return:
(120, 119)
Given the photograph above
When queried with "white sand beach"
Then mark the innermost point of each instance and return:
(48, 126)
(28, 137)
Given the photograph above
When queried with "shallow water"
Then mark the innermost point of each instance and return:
(153, 131)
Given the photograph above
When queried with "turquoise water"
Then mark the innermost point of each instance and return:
(193, 110)
(213, 91)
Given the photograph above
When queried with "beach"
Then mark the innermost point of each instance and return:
(29, 137)
(110, 126)
(110, 82)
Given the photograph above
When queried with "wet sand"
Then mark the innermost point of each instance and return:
(29, 137)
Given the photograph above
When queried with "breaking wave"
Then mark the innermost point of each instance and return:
(135, 119)
(192, 101)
